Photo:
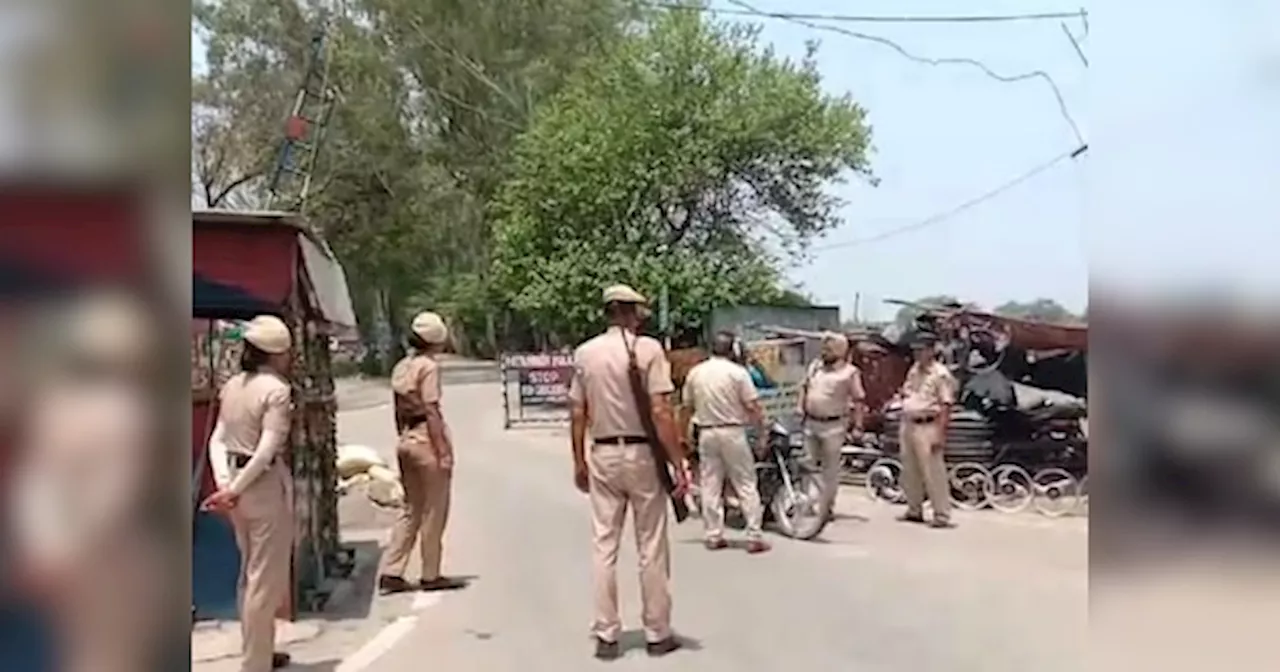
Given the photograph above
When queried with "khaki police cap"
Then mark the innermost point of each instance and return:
(839, 343)
(269, 334)
(623, 294)
(430, 327)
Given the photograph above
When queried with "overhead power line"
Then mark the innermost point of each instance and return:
(854, 18)
(945, 215)
(974, 63)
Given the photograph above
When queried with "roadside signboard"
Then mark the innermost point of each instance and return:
(540, 382)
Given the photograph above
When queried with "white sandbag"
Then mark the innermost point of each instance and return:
(384, 487)
(356, 459)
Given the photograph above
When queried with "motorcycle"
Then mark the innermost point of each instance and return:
(789, 485)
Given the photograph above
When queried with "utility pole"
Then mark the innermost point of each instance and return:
(664, 316)
(1075, 41)
(304, 128)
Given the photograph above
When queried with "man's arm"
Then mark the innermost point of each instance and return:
(578, 432)
(857, 402)
(218, 456)
(750, 398)
(578, 418)
(658, 377)
(664, 419)
(429, 391)
(684, 418)
(804, 389)
(946, 399)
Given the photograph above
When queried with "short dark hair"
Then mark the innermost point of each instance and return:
(615, 309)
(416, 342)
(253, 358)
(722, 343)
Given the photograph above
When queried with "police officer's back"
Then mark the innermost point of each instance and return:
(619, 469)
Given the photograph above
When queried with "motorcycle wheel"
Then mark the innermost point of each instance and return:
(801, 517)
(884, 481)
(971, 486)
(1057, 492)
(1082, 495)
(1011, 488)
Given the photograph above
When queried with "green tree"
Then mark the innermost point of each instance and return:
(686, 157)
(1039, 310)
(431, 94)
(909, 312)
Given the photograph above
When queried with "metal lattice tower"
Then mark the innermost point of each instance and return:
(304, 129)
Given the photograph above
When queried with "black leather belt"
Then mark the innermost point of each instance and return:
(722, 426)
(409, 421)
(823, 418)
(621, 440)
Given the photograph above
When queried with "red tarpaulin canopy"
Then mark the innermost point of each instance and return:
(259, 259)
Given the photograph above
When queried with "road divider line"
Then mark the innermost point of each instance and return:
(384, 641)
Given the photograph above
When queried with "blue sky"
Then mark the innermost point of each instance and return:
(1178, 116)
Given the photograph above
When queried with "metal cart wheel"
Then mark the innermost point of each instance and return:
(884, 481)
(1012, 488)
(1057, 492)
(971, 486)
(1082, 496)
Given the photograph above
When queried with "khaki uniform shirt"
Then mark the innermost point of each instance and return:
(415, 381)
(248, 406)
(927, 389)
(600, 380)
(719, 391)
(831, 392)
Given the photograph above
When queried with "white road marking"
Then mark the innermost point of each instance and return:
(381, 643)
(423, 600)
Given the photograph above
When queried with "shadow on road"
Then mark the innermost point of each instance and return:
(634, 639)
(353, 598)
(318, 666)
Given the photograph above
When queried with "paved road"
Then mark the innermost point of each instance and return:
(1001, 593)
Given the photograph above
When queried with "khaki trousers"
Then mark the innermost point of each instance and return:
(623, 476)
(723, 453)
(823, 441)
(263, 520)
(427, 490)
(924, 469)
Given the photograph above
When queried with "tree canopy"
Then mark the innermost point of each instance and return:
(1039, 310)
(686, 157)
(611, 141)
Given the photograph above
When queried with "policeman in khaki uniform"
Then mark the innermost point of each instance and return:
(617, 471)
(255, 486)
(725, 402)
(831, 405)
(425, 455)
(927, 396)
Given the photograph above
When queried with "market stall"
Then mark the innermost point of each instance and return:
(245, 264)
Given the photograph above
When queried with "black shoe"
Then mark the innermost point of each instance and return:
(663, 647)
(279, 660)
(440, 584)
(388, 584)
(607, 650)
(911, 518)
